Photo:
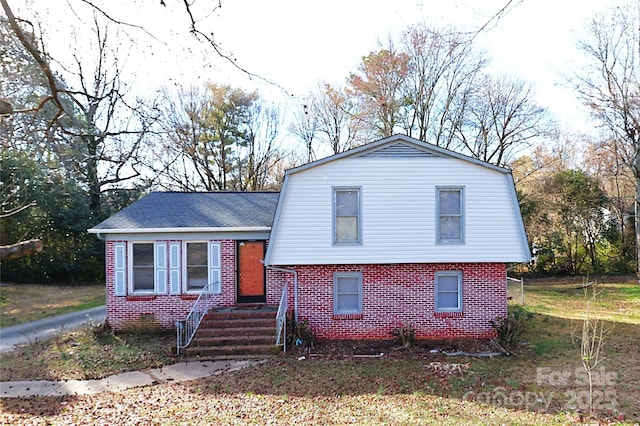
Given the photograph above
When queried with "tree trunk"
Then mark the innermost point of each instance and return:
(637, 220)
(18, 250)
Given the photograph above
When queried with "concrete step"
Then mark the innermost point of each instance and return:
(236, 331)
(219, 323)
(240, 339)
(238, 314)
(233, 351)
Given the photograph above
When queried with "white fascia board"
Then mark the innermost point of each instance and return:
(276, 220)
(177, 230)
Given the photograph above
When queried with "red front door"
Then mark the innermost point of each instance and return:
(251, 272)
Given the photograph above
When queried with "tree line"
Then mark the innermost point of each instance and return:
(79, 143)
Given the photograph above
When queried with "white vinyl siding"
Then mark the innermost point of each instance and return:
(400, 212)
(347, 293)
(450, 217)
(448, 291)
(347, 219)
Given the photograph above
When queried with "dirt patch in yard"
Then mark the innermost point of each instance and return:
(390, 348)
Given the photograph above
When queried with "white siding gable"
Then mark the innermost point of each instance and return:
(398, 195)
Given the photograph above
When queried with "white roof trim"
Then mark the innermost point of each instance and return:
(176, 230)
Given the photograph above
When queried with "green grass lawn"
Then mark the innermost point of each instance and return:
(20, 303)
(543, 383)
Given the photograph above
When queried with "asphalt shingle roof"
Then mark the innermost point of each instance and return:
(163, 210)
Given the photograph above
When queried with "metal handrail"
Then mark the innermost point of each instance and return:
(186, 328)
(281, 320)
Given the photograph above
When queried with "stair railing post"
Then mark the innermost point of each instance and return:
(192, 322)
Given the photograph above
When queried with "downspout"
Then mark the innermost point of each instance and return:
(295, 287)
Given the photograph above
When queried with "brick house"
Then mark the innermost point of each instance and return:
(394, 232)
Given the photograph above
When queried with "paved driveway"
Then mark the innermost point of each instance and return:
(48, 327)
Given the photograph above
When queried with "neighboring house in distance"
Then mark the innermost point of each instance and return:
(394, 232)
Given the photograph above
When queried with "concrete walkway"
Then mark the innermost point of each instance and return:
(180, 372)
(23, 334)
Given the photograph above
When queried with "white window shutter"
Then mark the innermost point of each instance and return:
(214, 266)
(120, 269)
(214, 277)
(174, 268)
(161, 268)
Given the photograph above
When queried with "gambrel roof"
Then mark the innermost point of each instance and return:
(189, 211)
(398, 146)
(398, 178)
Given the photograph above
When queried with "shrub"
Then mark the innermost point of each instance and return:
(510, 328)
(405, 335)
(300, 333)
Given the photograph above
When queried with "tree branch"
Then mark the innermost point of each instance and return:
(35, 53)
(21, 249)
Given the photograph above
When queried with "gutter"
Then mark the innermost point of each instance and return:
(178, 230)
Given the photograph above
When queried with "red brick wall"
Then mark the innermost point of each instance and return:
(402, 294)
(166, 308)
(391, 295)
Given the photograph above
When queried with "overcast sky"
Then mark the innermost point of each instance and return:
(296, 43)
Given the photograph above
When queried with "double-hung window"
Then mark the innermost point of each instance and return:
(347, 293)
(201, 266)
(197, 266)
(450, 218)
(347, 220)
(448, 291)
(142, 268)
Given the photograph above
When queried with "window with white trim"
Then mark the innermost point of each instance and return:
(347, 223)
(197, 266)
(450, 218)
(448, 291)
(201, 262)
(347, 293)
(142, 270)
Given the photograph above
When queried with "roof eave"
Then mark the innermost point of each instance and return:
(178, 230)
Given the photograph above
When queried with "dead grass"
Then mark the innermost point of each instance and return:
(21, 303)
(88, 354)
(618, 298)
(541, 384)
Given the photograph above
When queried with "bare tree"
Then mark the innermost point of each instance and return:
(306, 126)
(590, 338)
(85, 118)
(443, 66)
(259, 157)
(610, 86)
(378, 87)
(28, 41)
(332, 118)
(103, 140)
(341, 124)
(216, 138)
(501, 120)
(604, 160)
